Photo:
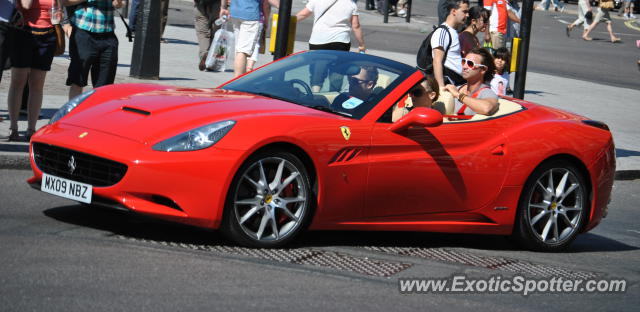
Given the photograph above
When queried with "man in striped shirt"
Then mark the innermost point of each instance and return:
(445, 45)
(93, 46)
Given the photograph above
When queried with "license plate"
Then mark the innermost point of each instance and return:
(66, 188)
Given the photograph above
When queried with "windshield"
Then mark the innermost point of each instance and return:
(343, 83)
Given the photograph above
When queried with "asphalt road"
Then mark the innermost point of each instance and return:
(61, 256)
(551, 52)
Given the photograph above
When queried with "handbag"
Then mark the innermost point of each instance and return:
(606, 4)
(588, 15)
(60, 40)
(60, 36)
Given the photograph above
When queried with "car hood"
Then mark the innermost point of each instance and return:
(151, 115)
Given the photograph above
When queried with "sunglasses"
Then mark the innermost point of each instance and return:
(355, 80)
(472, 64)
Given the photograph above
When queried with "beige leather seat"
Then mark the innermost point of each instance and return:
(382, 83)
(445, 103)
(504, 107)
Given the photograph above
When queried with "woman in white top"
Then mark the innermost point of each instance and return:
(332, 25)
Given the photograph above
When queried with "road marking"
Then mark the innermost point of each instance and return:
(631, 25)
(563, 21)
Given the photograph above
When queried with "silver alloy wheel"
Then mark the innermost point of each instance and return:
(555, 206)
(271, 199)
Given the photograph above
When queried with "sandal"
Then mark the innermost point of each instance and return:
(587, 38)
(616, 40)
(13, 135)
(29, 134)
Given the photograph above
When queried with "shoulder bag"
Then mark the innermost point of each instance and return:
(60, 36)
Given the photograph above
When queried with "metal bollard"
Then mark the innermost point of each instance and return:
(145, 59)
(385, 9)
(408, 17)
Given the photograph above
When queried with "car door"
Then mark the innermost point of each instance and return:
(453, 167)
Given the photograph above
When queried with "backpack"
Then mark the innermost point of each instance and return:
(424, 59)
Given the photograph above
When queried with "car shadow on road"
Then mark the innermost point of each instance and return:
(535, 92)
(590, 242)
(134, 226)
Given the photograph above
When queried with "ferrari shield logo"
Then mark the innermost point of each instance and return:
(346, 132)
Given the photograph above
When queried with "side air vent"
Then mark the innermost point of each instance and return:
(136, 110)
(346, 154)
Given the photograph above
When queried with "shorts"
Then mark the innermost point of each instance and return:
(602, 16)
(246, 35)
(92, 52)
(497, 40)
(256, 48)
(33, 50)
(339, 46)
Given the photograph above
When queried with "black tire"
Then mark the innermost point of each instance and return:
(546, 220)
(253, 208)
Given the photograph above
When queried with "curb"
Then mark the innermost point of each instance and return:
(17, 162)
(626, 175)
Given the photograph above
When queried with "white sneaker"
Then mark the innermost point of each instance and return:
(402, 13)
(631, 15)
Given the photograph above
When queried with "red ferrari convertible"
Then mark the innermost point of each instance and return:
(285, 148)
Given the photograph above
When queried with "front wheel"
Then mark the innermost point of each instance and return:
(552, 208)
(269, 201)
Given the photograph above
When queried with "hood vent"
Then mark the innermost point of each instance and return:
(136, 110)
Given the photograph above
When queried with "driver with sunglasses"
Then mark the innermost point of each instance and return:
(475, 97)
(361, 87)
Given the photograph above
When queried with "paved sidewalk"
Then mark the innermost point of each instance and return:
(615, 106)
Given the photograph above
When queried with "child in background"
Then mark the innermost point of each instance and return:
(500, 81)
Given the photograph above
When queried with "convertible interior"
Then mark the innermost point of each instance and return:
(327, 97)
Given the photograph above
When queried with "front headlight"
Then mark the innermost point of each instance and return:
(196, 139)
(69, 106)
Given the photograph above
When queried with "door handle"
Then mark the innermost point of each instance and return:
(498, 150)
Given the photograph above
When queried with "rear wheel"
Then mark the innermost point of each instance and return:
(269, 201)
(553, 207)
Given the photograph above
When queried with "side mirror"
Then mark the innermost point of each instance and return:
(420, 117)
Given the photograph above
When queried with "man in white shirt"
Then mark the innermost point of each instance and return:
(447, 63)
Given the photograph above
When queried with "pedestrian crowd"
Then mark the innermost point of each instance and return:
(459, 65)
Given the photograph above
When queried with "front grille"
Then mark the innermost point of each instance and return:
(89, 169)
